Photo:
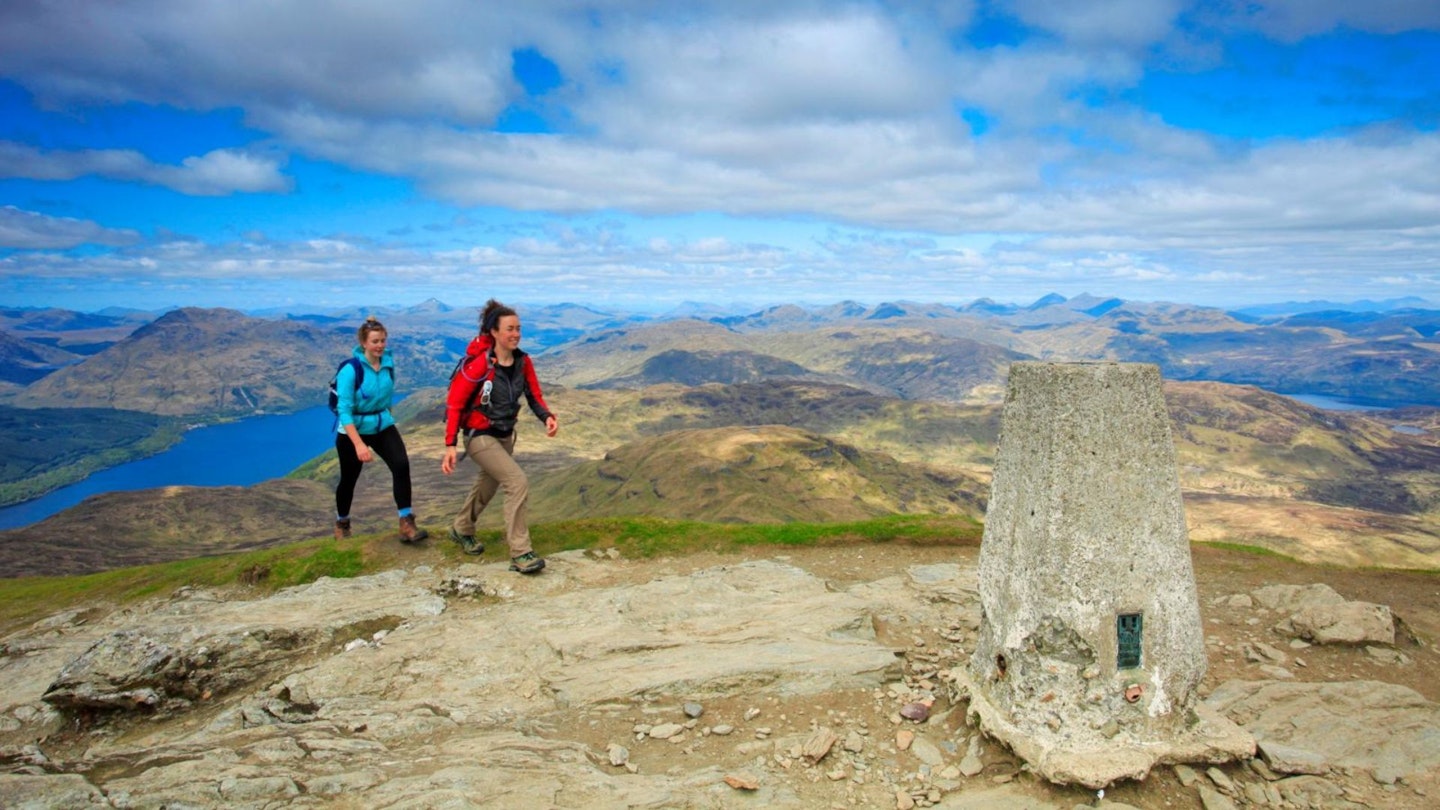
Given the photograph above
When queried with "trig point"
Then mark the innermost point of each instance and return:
(1091, 648)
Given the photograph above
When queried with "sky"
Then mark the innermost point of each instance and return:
(640, 154)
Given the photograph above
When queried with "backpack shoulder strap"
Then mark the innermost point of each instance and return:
(359, 370)
(485, 376)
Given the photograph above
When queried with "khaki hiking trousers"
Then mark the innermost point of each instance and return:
(498, 471)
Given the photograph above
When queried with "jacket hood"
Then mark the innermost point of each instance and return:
(386, 360)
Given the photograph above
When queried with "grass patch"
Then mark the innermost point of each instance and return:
(331, 561)
(1259, 551)
(26, 599)
(649, 537)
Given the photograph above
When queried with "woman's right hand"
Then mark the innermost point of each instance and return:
(447, 464)
(363, 452)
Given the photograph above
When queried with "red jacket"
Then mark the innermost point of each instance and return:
(500, 412)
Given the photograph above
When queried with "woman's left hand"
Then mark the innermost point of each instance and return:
(552, 426)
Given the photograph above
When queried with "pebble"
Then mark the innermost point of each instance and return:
(854, 743)
(742, 781)
(916, 711)
(1221, 779)
(665, 731)
(693, 710)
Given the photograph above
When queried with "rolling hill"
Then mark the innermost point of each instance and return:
(765, 473)
(211, 364)
(24, 361)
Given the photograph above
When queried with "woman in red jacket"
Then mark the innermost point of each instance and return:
(482, 407)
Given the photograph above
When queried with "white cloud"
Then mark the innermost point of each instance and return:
(790, 108)
(31, 231)
(217, 173)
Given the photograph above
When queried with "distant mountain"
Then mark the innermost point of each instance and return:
(622, 352)
(78, 333)
(698, 310)
(785, 316)
(23, 361)
(430, 306)
(1363, 305)
(701, 367)
(205, 363)
(1093, 306)
(55, 320)
(845, 310)
(892, 310)
(904, 362)
(133, 314)
(1407, 324)
(986, 306)
(899, 361)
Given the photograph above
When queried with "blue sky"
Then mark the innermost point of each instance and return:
(638, 154)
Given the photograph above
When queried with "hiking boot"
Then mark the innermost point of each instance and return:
(409, 532)
(468, 543)
(527, 563)
(342, 529)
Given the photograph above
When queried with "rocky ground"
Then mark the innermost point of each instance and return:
(798, 678)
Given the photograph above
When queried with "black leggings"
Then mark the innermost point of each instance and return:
(386, 444)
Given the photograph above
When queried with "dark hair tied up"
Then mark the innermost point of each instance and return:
(492, 313)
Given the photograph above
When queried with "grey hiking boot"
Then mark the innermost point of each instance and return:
(409, 532)
(468, 543)
(527, 563)
(342, 529)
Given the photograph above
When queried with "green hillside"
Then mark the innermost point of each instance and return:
(45, 448)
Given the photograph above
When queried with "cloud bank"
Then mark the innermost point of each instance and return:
(993, 146)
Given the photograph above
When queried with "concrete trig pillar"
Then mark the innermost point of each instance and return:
(1091, 647)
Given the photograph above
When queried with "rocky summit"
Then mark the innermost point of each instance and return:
(813, 678)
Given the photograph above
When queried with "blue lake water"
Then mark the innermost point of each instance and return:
(233, 454)
(1338, 404)
(1326, 403)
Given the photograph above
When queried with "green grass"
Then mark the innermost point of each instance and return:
(649, 537)
(1259, 551)
(26, 599)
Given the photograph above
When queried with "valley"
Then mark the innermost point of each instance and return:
(779, 415)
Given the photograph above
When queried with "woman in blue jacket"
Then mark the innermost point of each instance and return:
(366, 429)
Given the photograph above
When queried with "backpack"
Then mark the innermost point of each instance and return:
(482, 390)
(334, 399)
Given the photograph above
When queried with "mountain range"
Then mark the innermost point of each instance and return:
(216, 364)
(792, 413)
